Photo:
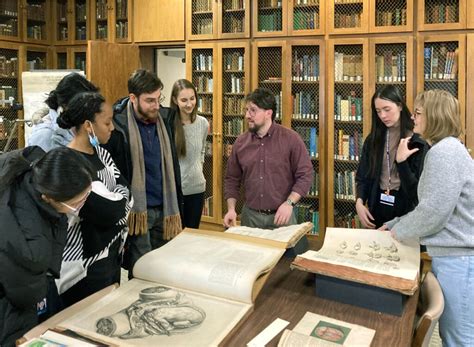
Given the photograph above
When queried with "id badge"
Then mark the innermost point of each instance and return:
(41, 307)
(387, 199)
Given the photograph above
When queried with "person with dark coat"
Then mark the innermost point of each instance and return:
(35, 192)
(143, 148)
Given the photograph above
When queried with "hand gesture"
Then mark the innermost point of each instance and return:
(403, 152)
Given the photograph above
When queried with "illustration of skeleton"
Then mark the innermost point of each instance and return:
(158, 311)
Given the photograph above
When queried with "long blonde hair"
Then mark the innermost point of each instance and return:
(179, 137)
(442, 114)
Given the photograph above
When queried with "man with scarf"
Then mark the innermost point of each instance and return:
(142, 146)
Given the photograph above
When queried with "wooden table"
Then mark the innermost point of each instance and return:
(288, 294)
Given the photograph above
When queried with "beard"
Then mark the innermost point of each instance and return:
(255, 128)
(150, 115)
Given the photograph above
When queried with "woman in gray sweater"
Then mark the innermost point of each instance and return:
(190, 137)
(444, 217)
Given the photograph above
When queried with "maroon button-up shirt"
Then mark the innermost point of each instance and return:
(270, 168)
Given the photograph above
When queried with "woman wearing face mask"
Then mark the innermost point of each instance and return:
(387, 176)
(190, 138)
(96, 233)
(35, 192)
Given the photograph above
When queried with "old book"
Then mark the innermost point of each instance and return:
(316, 330)
(365, 256)
(198, 287)
(286, 236)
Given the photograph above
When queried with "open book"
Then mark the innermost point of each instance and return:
(366, 256)
(286, 236)
(193, 290)
(314, 330)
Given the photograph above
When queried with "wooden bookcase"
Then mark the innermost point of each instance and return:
(36, 23)
(390, 16)
(470, 14)
(348, 124)
(71, 21)
(441, 15)
(306, 17)
(201, 17)
(69, 57)
(10, 19)
(348, 16)
(269, 18)
(110, 20)
(441, 64)
(61, 58)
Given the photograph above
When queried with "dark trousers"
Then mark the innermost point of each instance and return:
(192, 210)
(383, 213)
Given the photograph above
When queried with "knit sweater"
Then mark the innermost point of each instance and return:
(444, 217)
(192, 177)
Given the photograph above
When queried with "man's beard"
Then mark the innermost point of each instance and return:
(147, 115)
(255, 128)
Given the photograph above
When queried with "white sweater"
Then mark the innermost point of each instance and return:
(192, 177)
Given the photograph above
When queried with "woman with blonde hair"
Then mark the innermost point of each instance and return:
(444, 217)
(190, 138)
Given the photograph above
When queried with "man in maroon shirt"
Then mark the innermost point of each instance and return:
(273, 165)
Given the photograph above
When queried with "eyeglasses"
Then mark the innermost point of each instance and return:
(417, 114)
(78, 204)
(152, 101)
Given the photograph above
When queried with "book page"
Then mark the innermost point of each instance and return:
(369, 250)
(212, 265)
(316, 330)
(290, 234)
(142, 313)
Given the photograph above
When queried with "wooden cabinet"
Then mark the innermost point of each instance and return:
(306, 17)
(212, 19)
(441, 64)
(156, 20)
(348, 16)
(110, 20)
(441, 14)
(36, 27)
(71, 57)
(470, 14)
(390, 16)
(348, 123)
(10, 18)
(71, 21)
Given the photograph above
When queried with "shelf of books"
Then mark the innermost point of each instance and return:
(234, 77)
(306, 109)
(36, 58)
(61, 31)
(392, 63)
(234, 19)
(269, 18)
(202, 19)
(391, 16)
(441, 14)
(79, 58)
(81, 20)
(36, 24)
(268, 71)
(441, 65)
(60, 58)
(348, 124)
(470, 93)
(202, 71)
(9, 72)
(9, 20)
(348, 16)
(100, 25)
(307, 17)
(123, 13)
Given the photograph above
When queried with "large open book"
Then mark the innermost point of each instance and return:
(314, 330)
(286, 236)
(366, 256)
(193, 291)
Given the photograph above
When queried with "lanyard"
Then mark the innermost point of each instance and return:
(388, 163)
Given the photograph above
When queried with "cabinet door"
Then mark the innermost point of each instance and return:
(391, 62)
(202, 70)
(81, 21)
(122, 15)
(441, 65)
(391, 16)
(234, 84)
(348, 125)
(62, 19)
(470, 94)
(233, 19)
(441, 14)
(348, 16)
(9, 72)
(79, 58)
(35, 24)
(470, 14)
(60, 58)
(9, 20)
(306, 105)
(100, 19)
(269, 18)
(202, 19)
(269, 71)
(306, 17)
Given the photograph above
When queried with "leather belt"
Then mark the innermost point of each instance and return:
(265, 212)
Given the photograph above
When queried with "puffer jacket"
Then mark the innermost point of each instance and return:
(32, 239)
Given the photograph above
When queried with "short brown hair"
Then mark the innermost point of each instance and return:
(442, 114)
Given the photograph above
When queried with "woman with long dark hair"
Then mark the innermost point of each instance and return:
(388, 172)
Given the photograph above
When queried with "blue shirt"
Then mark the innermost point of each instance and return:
(152, 157)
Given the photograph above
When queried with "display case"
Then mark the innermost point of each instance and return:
(391, 16)
(441, 14)
(348, 16)
(110, 20)
(269, 18)
(36, 23)
(307, 17)
(9, 20)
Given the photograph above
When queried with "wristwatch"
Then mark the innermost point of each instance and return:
(290, 202)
